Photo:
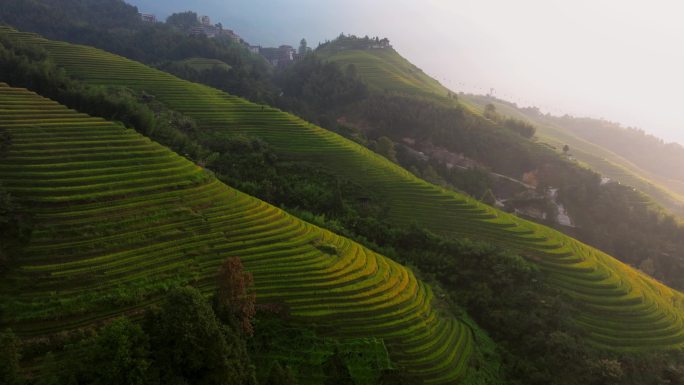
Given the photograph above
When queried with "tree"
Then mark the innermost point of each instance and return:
(235, 296)
(523, 128)
(336, 371)
(190, 346)
(313, 87)
(490, 112)
(385, 147)
(431, 175)
(183, 21)
(51, 371)
(10, 354)
(280, 376)
(607, 371)
(489, 197)
(303, 49)
(566, 149)
(120, 355)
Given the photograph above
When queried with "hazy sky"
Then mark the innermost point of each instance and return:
(617, 59)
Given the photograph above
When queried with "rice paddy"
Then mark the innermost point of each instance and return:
(119, 219)
(622, 308)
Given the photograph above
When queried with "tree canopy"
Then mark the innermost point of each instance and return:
(190, 345)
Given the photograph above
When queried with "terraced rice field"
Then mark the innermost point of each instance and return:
(385, 69)
(623, 309)
(119, 219)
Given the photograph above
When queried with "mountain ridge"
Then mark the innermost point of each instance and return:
(606, 161)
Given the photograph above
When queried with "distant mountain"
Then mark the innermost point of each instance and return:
(664, 161)
(624, 155)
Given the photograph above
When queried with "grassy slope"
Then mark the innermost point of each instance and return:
(622, 308)
(385, 70)
(595, 156)
(119, 218)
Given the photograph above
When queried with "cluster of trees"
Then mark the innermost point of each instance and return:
(279, 343)
(355, 42)
(183, 21)
(318, 90)
(180, 342)
(523, 128)
(252, 166)
(70, 17)
(426, 121)
(230, 79)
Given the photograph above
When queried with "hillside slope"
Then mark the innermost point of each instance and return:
(665, 191)
(622, 307)
(118, 219)
(632, 218)
(386, 70)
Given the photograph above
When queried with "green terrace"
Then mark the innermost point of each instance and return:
(119, 219)
(619, 303)
(385, 70)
